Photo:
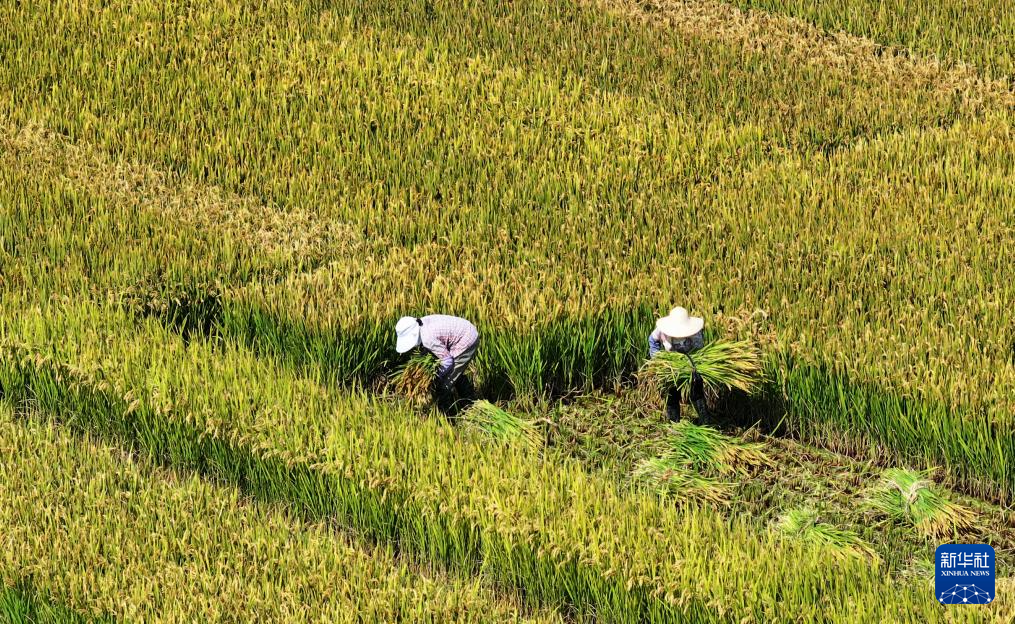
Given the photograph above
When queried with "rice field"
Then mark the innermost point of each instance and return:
(212, 214)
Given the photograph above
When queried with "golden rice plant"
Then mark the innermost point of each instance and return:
(786, 179)
(288, 436)
(189, 549)
(940, 33)
(794, 218)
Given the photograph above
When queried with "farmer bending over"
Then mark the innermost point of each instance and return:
(681, 333)
(453, 341)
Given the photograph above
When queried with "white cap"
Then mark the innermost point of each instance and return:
(407, 330)
(679, 324)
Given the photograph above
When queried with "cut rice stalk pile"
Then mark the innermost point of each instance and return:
(910, 496)
(696, 458)
(723, 365)
(414, 379)
(803, 525)
(670, 478)
(501, 424)
(705, 450)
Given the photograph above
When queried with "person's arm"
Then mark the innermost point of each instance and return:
(654, 346)
(442, 353)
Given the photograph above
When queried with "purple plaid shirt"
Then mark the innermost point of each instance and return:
(447, 337)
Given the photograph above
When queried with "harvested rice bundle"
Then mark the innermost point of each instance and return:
(705, 450)
(696, 457)
(803, 525)
(415, 378)
(910, 496)
(722, 365)
(501, 424)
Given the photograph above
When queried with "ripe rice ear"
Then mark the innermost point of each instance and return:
(414, 379)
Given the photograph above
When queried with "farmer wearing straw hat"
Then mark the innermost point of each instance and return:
(451, 340)
(681, 333)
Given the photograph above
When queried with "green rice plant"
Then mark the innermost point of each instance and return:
(502, 425)
(414, 379)
(705, 450)
(20, 603)
(672, 479)
(803, 525)
(910, 496)
(723, 365)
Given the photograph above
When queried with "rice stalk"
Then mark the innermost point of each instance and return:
(705, 450)
(414, 379)
(672, 479)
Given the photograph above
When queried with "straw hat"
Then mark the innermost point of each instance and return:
(407, 331)
(679, 324)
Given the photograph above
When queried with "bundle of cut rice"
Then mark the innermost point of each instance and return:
(705, 450)
(502, 424)
(803, 525)
(723, 365)
(414, 379)
(671, 478)
(910, 496)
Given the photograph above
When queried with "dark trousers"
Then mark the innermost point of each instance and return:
(673, 404)
(673, 407)
(451, 401)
